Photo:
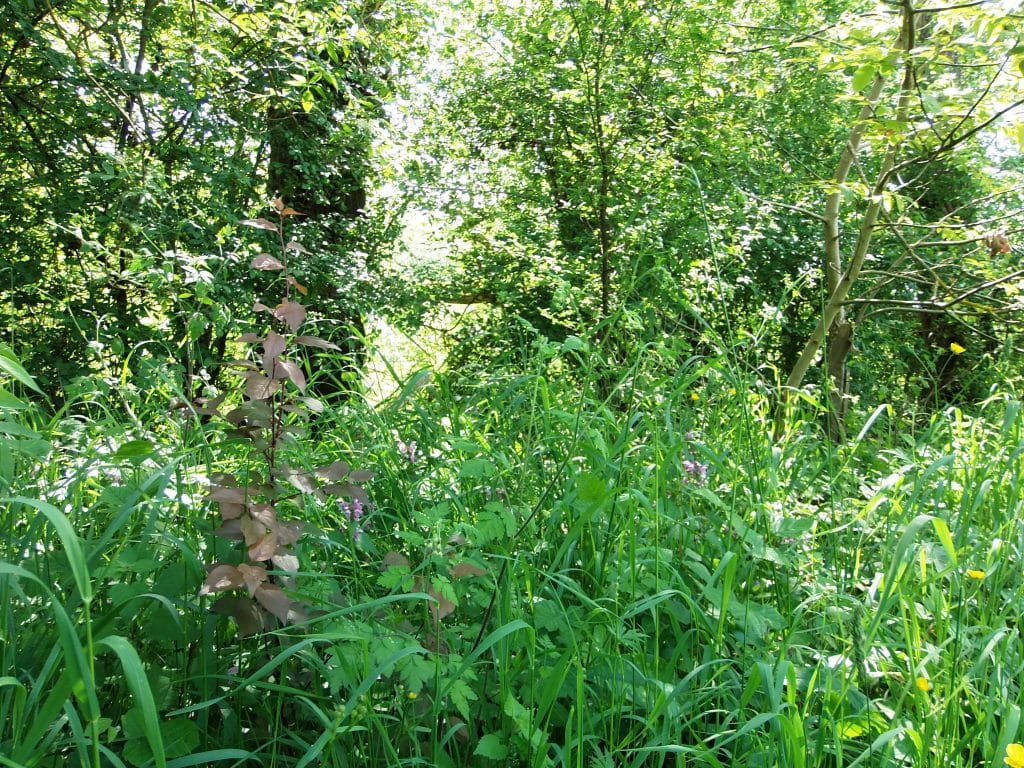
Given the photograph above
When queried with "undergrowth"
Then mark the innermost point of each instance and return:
(543, 571)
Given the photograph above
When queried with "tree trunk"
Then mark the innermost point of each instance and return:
(833, 330)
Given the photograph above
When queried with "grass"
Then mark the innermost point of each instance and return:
(566, 574)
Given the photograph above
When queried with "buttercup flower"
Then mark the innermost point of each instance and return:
(975, 574)
(1014, 755)
(923, 684)
(694, 396)
(956, 349)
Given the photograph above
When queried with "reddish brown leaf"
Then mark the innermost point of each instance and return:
(360, 475)
(275, 601)
(291, 212)
(443, 607)
(230, 495)
(297, 247)
(259, 387)
(220, 578)
(314, 341)
(265, 548)
(252, 576)
(260, 224)
(273, 346)
(312, 403)
(256, 412)
(245, 612)
(395, 559)
(285, 562)
(264, 513)
(289, 531)
(299, 478)
(207, 406)
(250, 338)
(278, 203)
(230, 530)
(294, 373)
(335, 471)
(259, 306)
(298, 286)
(460, 570)
(347, 490)
(252, 531)
(266, 262)
(230, 511)
(291, 313)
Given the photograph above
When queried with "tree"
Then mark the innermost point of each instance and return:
(925, 120)
(135, 134)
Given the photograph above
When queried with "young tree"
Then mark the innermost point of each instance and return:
(921, 102)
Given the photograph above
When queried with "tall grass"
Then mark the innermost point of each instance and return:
(566, 571)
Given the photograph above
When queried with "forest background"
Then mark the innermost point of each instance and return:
(557, 382)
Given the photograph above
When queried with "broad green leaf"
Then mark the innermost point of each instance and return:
(863, 76)
(492, 747)
(134, 449)
(9, 364)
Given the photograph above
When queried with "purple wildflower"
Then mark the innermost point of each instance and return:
(353, 512)
(696, 471)
(409, 451)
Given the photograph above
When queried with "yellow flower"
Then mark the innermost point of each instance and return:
(924, 685)
(732, 391)
(694, 396)
(412, 695)
(975, 574)
(1014, 755)
(956, 349)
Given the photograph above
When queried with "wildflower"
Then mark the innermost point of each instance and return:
(409, 451)
(956, 349)
(975, 574)
(696, 471)
(412, 695)
(353, 512)
(923, 684)
(1014, 755)
(695, 396)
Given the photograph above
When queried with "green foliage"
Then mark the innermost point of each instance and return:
(575, 540)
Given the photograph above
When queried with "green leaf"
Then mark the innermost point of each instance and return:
(9, 364)
(592, 489)
(138, 684)
(134, 449)
(864, 75)
(68, 538)
(477, 469)
(491, 747)
(10, 402)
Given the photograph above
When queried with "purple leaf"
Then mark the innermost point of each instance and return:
(222, 577)
(245, 613)
(291, 313)
(266, 262)
(294, 374)
(314, 341)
